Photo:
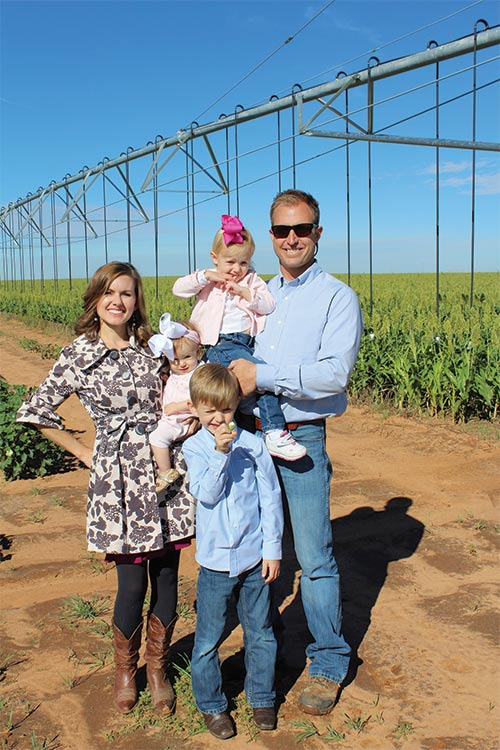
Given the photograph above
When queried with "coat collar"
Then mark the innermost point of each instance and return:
(89, 353)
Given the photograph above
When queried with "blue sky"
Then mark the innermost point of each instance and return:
(85, 80)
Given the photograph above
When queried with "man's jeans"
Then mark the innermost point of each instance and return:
(306, 483)
(233, 346)
(213, 594)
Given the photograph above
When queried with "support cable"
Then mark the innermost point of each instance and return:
(296, 87)
(104, 210)
(228, 176)
(129, 224)
(21, 253)
(156, 229)
(369, 129)
(363, 55)
(68, 242)
(238, 108)
(278, 141)
(53, 218)
(85, 226)
(431, 44)
(40, 224)
(473, 171)
(193, 200)
(263, 62)
(188, 213)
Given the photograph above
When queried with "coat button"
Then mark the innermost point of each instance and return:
(114, 354)
(140, 429)
(126, 375)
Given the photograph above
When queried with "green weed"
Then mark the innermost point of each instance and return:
(37, 516)
(54, 500)
(334, 735)
(358, 724)
(307, 730)
(403, 729)
(76, 608)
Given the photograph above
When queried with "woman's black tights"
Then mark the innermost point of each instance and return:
(132, 587)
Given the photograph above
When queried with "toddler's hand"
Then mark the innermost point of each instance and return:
(176, 407)
(241, 291)
(217, 277)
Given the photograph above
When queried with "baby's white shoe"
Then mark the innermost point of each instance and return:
(281, 444)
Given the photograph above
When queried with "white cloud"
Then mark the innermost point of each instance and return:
(447, 167)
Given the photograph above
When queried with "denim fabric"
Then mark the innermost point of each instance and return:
(233, 346)
(306, 483)
(214, 591)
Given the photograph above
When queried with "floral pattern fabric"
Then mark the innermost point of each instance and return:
(121, 391)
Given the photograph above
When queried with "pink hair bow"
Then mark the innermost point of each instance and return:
(232, 229)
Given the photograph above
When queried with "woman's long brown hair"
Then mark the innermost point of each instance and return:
(88, 323)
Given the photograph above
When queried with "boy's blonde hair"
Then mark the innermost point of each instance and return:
(215, 385)
(248, 243)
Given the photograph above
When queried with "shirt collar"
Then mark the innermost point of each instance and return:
(309, 274)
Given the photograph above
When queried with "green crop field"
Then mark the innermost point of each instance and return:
(409, 356)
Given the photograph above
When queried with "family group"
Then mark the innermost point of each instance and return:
(208, 430)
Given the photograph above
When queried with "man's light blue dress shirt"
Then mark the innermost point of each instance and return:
(239, 514)
(310, 344)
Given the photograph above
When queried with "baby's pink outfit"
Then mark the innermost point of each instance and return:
(172, 428)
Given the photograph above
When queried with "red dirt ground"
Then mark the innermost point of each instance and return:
(413, 508)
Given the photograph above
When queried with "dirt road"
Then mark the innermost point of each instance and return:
(414, 513)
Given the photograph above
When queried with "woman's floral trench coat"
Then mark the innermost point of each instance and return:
(121, 390)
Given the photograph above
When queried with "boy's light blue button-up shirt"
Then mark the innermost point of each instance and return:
(239, 514)
(310, 344)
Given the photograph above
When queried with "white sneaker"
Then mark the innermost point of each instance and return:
(282, 445)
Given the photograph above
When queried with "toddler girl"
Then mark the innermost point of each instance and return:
(180, 343)
(231, 307)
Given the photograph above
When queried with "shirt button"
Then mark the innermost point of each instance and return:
(126, 375)
(140, 429)
(114, 354)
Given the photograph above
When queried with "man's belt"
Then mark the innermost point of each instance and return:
(292, 425)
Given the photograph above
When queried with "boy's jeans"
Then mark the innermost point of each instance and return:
(233, 346)
(213, 593)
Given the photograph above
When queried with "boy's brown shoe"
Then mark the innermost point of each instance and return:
(265, 718)
(220, 725)
(319, 697)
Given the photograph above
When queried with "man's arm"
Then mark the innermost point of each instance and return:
(325, 375)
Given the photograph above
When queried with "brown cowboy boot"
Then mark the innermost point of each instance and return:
(156, 653)
(126, 658)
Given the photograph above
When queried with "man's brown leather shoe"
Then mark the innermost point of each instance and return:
(220, 725)
(265, 718)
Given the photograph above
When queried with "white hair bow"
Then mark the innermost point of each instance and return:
(162, 343)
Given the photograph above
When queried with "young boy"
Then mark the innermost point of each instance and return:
(239, 522)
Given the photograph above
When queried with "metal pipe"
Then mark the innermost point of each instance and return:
(483, 40)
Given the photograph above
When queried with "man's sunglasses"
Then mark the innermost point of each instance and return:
(281, 231)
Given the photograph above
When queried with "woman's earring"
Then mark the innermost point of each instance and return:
(96, 317)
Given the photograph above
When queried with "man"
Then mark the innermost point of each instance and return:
(308, 350)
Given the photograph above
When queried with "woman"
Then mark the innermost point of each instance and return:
(117, 379)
